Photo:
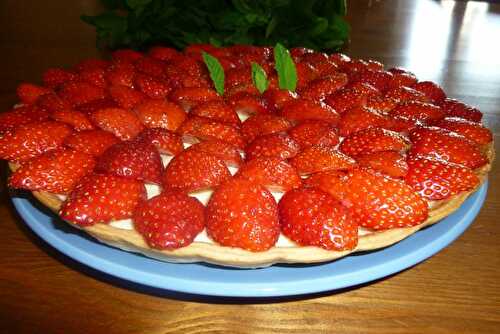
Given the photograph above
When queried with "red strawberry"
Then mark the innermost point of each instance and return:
(455, 108)
(150, 66)
(276, 145)
(194, 170)
(431, 90)
(52, 102)
(298, 52)
(305, 74)
(418, 112)
(91, 107)
(312, 217)
(378, 79)
(243, 214)
(56, 171)
(78, 93)
(28, 93)
(126, 97)
(22, 115)
(91, 64)
(205, 129)
(310, 133)
(165, 141)
(133, 159)
(403, 78)
(447, 146)
(126, 56)
(96, 77)
(29, 140)
(122, 123)
(238, 76)
(153, 87)
(259, 125)
(320, 158)
(247, 103)
(189, 97)
(345, 100)
(160, 114)
(388, 162)
(121, 74)
(470, 130)
(360, 118)
(436, 180)
(318, 89)
(76, 119)
(273, 173)
(381, 105)
(163, 53)
(55, 77)
(302, 109)
(403, 94)
(339, 59)
(218, 111)
(400, 124)
(170, 220)
(190, 66)
(229, 154)
(373, 140)
(363, 88)
(377, 202)
(361, 65)
(275, 99)
(93, 142)
(118, 195)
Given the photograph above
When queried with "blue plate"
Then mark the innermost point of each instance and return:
(278, 280)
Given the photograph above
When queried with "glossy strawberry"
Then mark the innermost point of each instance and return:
(150, 66)
(381, 105)
(91, 107)
(359, 118)
(126, 56)
(78, 92)
(55, 77)
(373, 140)
(238, 76)
(28, 93)
(312, 217)
(431, 90)
(276, 145)
(51, 102)
(243, 214)
(217, 111)
(247, 103)
(403, 94)
(154, 88)
(170, 220)
(310, 133)
(118, 195)
(194, 170)
(275, 99)
(91, 64)
(121, 74)
(126, 97)
(401, 78)
(155, 113)
(163, 53)
(76, 119)
(96, 77)
(228, 153)
(273, 173)
(122, 123)
(418, 112)
(56, 171)
(378, 79)
(345, 100)
(189, 97)
(259, 125)
(315, 159)
(206, 129)
(318, 89)
(390, 163)
(302, 109)
(16, 117)
(93, 142)
(470, 130)
(165, 141)
(455, 108)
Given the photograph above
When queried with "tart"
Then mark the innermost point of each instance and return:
(142, 153)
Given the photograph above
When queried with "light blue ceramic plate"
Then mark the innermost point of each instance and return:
(278, 280)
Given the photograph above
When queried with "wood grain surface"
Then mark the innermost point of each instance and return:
(455, 291)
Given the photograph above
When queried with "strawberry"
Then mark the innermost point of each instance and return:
(381, 105)
(273, 173)
(437, 180)
(247, 103)
(431, 90)
(193, 170)
(242, 91)
(121, 74)
(189, 97)
(470, 130)
(238, 76)
(153, 87)
(30, 140)
(56, 171)
(191, 66)
(122, 123)
(259, 125)
(118, 195)
(91, 107)
(96, 77)
(134, 159)
(229, 154)
(376, 201)
(312, 217)
(339, 59)
(16, 117)
(401, 78)
(298, 52)
(163, 53)
(126, 56)
(320, 158)
(455, 108)
(217, 111)
(165, 141)
(52, 102)
(160, 114)
(418, 112)
(378, 79)
(445, 145)
(206, 129)
(390, 163)
(373, 140)
(126, 97)
(310, 133)
(305, 74)
(345, 100)
(363, 88)
(302, 109)
(243, 214)
(318, 89)
(277, 145)
(400, 124)
(403, 94)
(93, 142)
(170, 220)
(275, 99)
(28, 93)
(78, 92)
(55, 77)
(361, 65)
(360, 118)
(150, 66)
(74, 118)
(91, 64)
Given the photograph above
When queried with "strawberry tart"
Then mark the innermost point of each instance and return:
(243, 156)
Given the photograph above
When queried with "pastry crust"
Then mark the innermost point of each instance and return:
(132, 241)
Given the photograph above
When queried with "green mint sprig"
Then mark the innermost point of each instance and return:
(216, 72)
(285, 67)
(259, 78)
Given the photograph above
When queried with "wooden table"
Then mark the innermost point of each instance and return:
(456, 291)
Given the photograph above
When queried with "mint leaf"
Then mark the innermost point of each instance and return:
(284, 65)
(259, 78)
(216, 72)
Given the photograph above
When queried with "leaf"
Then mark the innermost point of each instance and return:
(259, 78)
(134, 4)
(285, 67)
(216, 72)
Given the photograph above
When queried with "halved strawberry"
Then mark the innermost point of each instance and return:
(79, 92)
(126, 56)
(431, 90)
(273, 173)
(305, 74)
(243, 214)
(391, 163)
(93, 142)
(218, 111)
(437, 180)
(373, 140)
(56, 171)
(91, 107)
(150, 66)
(310, 133)
(122, 123)
(381, 105)
(170, 220)
(361, 65)
(359, 118)
(155, 113)
(347, 99)
(134, 159)
(55, 77)
(378, 79)
(455, 108)
(193, 170)
(206, 129)
(318, 89)
(118, 195)
(402, 94)
(302, 109)
(29, 140)
(445, 145)
(247, 103)
(471, 130)
(96, 77)
(377, 202)
(275, 99)
(339, 59)
(163, 53)
(16, 117)
(278, 145)
(121, 74)
(402, 78)
(76, 119)
(259, 125)
(126, 97)
(189, 97)
(238, 76)
(312, 217)
(153, 87)
(418, 112)
(165, 141)
(315, 159)
(52, 102)
(228, 153)
(28, 93)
